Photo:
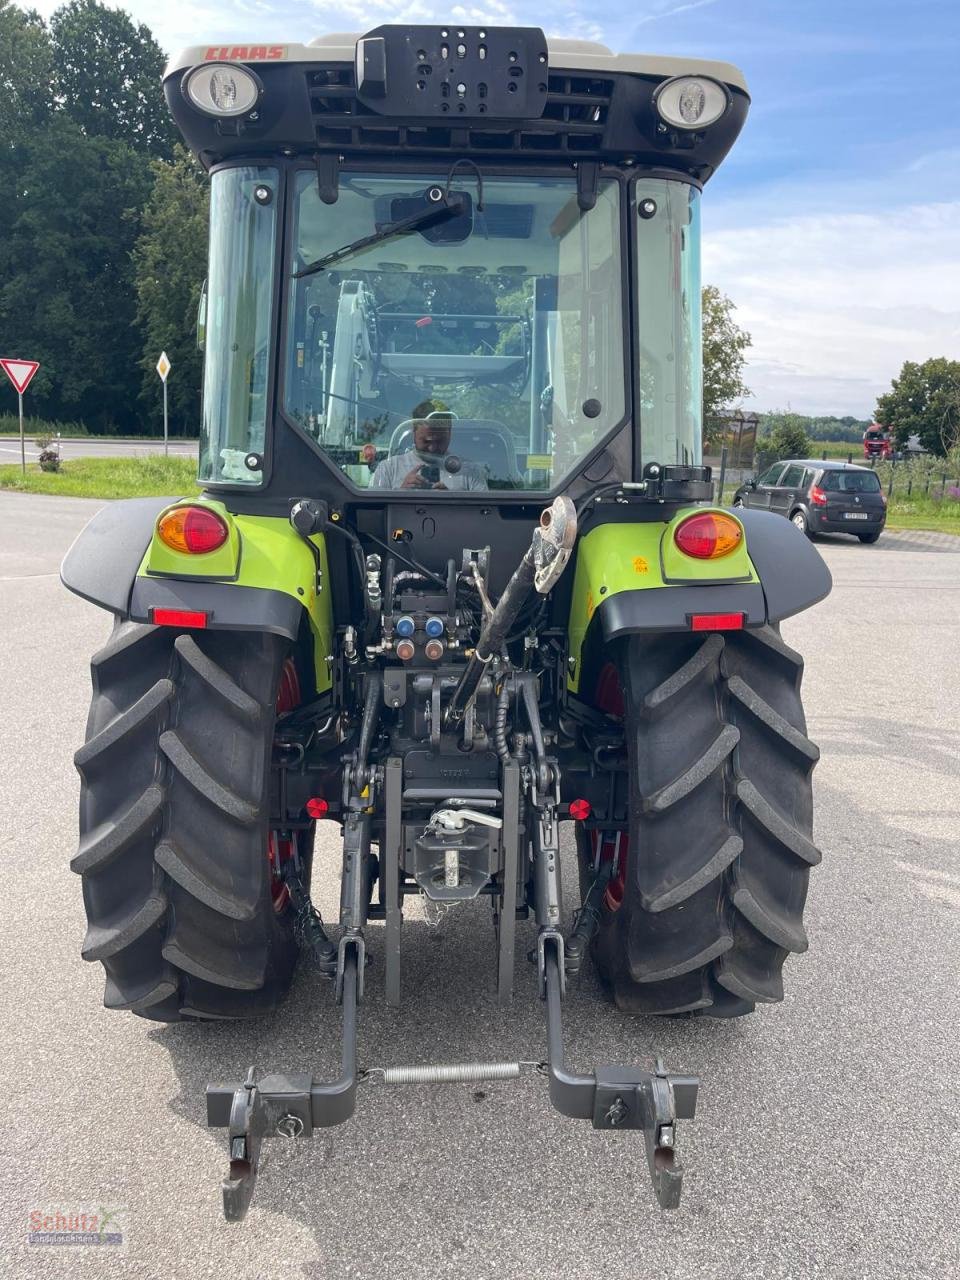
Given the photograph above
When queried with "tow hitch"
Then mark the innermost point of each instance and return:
(294, 1105)
(612, 1098)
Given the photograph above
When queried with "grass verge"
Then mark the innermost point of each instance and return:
(145, 477)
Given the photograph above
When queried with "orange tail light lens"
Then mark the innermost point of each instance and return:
(194, 530)
(708, 535)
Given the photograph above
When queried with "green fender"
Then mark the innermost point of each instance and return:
(264, 577)
(631, 578)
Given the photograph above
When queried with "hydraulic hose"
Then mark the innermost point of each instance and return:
(492, 637)
(371, 710)
(500, 724)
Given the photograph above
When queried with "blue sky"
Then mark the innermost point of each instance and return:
(834, 224)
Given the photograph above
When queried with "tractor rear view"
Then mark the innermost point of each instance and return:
(456, 576)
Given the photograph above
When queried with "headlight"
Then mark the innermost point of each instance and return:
(222, 89)
(691, 102)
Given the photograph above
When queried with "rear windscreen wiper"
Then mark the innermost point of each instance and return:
(450, 207)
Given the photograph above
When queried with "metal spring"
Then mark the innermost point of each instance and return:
(449, 1072)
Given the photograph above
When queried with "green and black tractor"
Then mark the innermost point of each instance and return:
(457, 573)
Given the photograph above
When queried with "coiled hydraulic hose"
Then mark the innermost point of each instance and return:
(500, 724)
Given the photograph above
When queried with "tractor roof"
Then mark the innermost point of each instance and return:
(408, 91)
(565, 55)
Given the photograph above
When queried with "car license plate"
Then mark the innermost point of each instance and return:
(855, 515)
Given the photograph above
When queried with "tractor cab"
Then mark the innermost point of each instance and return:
(484, 225)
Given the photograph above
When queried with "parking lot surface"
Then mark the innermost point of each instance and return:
(826, 1143)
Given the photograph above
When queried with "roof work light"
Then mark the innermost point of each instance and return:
(691, 102)
(222, 89)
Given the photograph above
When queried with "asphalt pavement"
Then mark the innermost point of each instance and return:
(826, 1143)
(95, 447)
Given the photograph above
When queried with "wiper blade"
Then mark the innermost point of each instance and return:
(451, 206)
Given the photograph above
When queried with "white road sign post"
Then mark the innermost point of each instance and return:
(163, 368)
(20, 373)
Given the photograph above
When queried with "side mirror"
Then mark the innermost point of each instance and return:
(752, 482)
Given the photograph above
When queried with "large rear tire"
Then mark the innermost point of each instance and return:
(182, 908)
(710, 901)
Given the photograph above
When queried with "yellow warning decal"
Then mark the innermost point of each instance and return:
(640, 565)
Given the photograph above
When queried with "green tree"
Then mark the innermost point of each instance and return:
(783, 436)
(66, 289)
(108, 73)
(924, 401)
(724, 355)
(26, 71)
(170, 260)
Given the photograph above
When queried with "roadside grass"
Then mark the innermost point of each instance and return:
(10, 426)
(837, 450)
(146, 477)
(924, 513)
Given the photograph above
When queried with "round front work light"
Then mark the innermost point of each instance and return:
(222, 89)
(194, 530)
(691, 102)
(708, 535)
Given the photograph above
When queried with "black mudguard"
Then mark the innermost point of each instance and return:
(792, 574)
(791, 569)
(102, 566)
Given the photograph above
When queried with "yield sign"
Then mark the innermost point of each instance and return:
(20, 372)
(163, 366)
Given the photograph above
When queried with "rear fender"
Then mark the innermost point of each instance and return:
(263, 579)
(626, 581)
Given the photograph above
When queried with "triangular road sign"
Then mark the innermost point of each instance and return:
(19, 372)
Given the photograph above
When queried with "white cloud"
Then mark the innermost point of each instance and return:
(837, 302)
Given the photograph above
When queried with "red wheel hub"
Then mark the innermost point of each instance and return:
(281, 849)
(611, 846)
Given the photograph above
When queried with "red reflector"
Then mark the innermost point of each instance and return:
(179, 618)
(317, 807)
(580, 809)
(716, 621)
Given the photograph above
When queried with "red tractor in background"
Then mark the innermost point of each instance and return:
(877, 442)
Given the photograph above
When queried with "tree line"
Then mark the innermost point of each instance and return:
(91, 176)
(103, 243)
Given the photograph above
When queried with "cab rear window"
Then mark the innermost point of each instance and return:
(850, 482)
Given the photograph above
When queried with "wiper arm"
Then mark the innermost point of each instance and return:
(449, 208)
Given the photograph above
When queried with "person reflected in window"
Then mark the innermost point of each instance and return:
(425, 465)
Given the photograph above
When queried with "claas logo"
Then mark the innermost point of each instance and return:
(245, 53)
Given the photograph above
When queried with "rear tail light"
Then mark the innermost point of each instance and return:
(817, 496)
(883, 497)
(708, 535)
(317, 807)
(194, 530)
(580, 810)
(716, 622)
(178, 618)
